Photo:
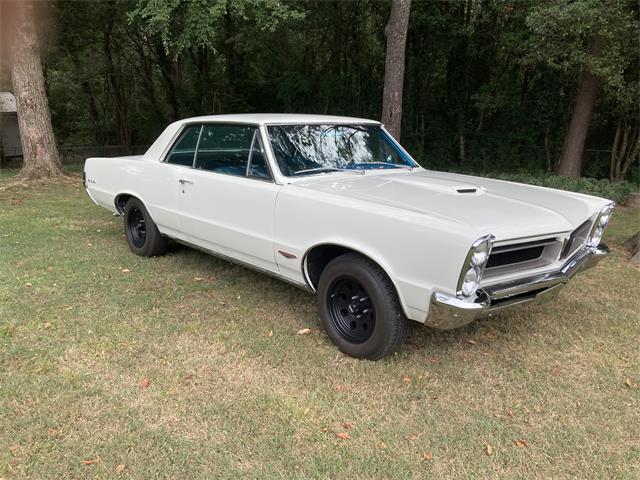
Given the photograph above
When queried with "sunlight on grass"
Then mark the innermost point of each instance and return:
(83, 322)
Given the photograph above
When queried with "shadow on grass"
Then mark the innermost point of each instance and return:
(422, 340)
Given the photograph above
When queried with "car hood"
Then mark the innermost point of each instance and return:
(505, 209)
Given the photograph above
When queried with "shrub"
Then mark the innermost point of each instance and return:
(616, 191)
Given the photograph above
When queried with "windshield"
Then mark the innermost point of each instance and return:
(314, 149)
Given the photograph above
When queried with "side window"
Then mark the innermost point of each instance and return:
(224, 149)
(258, 165)
(185, 148)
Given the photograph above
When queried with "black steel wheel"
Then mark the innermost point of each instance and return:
(351, 310)
(142, 234)
(136, 228)
(359, 308)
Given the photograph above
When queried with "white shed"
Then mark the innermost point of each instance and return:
(10, 144)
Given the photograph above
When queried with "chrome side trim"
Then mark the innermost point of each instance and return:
(450, 311)
(221, 256)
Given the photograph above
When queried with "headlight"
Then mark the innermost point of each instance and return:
(474, 266)
(470, 282)
(480, 254)
(599, 225)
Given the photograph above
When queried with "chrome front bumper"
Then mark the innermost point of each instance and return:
(449, 311)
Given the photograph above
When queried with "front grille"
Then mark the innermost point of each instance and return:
(513, 257)
(498, 259)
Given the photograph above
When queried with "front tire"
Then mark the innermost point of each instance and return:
(142, 234)
(359, 308)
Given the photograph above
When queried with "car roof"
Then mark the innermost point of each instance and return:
(279, 119)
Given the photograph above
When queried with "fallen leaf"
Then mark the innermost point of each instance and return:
(406, 380)
(627, 382)
(28, 284)
(413, 437)
(47, 325)
(537, 408)
(343, 436)
(472, 342)
(338, 388)
(427, 455)
(520, 443)
(125, 270)
(347, 426)
(145, 383)
(509, 412)
(89, 462)
(488, 449)
(383, 445)
(120, 467)
(304, 331)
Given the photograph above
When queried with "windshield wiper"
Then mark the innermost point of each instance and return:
(386, 165)
(322, 170)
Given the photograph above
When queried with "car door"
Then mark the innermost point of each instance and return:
(163, 194)
(227, 198)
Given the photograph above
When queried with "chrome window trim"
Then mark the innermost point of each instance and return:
(285, 178)
(175, 139)
(178, 134)
(195, 153)
(253, 141)
(256, 137)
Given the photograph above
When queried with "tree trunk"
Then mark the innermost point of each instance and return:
(572, 160)
(169, 82)
(625, 149)
(40, 154)
(122, 117)
(396, 32)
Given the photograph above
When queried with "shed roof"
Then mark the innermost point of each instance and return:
(7, 102)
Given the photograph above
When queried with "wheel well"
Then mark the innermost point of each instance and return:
(319, 257)
(121, 202)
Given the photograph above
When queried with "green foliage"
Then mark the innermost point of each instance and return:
(563, 33)
(489, 85)
(185, 24)
(616, 191)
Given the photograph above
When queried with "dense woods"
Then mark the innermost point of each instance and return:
(489, 86)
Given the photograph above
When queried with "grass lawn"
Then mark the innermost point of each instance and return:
(186, 366)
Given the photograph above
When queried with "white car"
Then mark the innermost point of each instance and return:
(335, 205)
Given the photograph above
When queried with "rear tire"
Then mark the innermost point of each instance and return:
(142, 234)
(359, 308)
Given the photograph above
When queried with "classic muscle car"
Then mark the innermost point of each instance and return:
(337, 206)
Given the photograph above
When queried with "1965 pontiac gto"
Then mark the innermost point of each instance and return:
(335, 205)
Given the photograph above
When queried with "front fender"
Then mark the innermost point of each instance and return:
(418, 257)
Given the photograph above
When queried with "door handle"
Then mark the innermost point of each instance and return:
(183, 181)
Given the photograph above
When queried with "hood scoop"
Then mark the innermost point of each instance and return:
(466, 190)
